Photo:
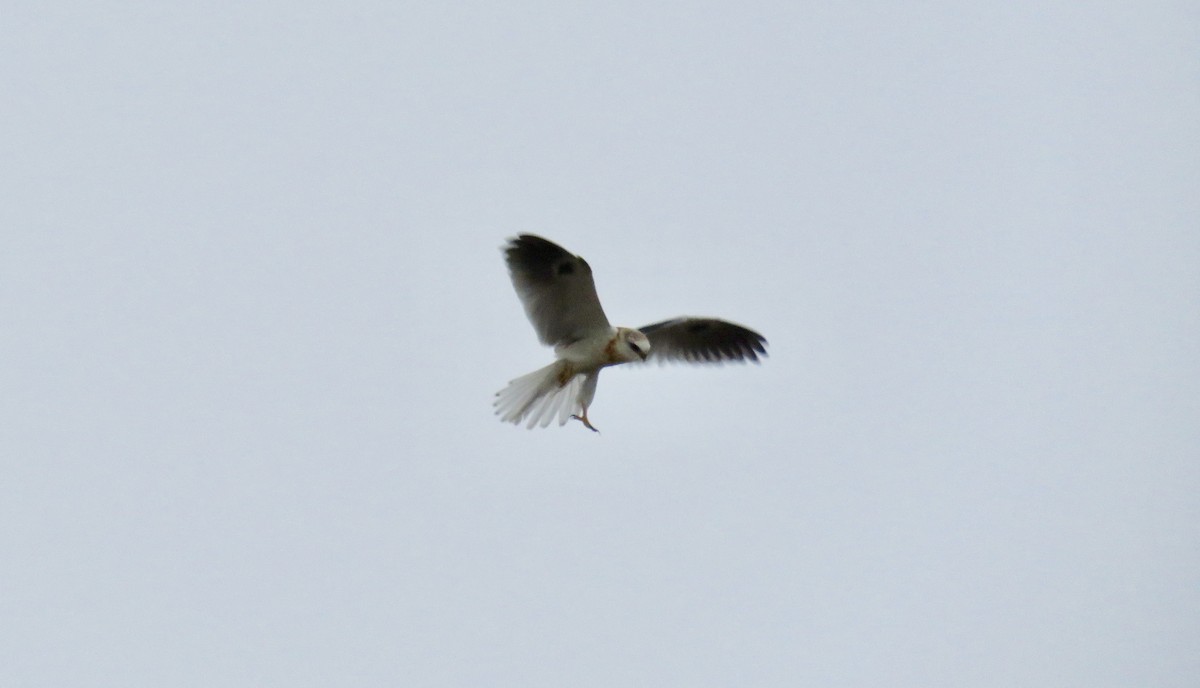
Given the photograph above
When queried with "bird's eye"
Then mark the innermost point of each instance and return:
(636, 349)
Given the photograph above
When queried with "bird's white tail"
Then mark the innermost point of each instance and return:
(540, 396)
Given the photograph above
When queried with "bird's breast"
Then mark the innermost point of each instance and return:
(592, 352)
(610, 352)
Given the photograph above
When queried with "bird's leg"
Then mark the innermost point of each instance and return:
(584, 419)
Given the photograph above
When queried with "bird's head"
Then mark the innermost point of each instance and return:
(633, 345)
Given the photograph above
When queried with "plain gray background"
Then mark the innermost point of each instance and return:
(255, 312)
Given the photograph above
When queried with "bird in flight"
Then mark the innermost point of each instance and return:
(560, 299)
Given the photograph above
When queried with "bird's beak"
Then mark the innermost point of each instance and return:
(644, 354)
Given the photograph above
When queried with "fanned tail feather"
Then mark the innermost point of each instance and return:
(539, 396)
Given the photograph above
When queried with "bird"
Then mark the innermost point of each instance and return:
(559, 296)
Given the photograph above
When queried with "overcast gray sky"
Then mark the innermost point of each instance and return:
(255, 312)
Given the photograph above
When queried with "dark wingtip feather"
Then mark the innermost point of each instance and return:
(540, 259)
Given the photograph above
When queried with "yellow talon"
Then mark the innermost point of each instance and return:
(584, 419)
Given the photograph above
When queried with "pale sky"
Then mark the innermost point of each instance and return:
(256, 313)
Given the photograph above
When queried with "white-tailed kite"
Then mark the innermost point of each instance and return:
(560, 299)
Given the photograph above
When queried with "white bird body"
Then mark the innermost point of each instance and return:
(572, 377)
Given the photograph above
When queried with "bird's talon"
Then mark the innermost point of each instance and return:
(583, 419)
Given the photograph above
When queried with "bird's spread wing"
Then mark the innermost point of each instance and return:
(556, 289)
(703, 340)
